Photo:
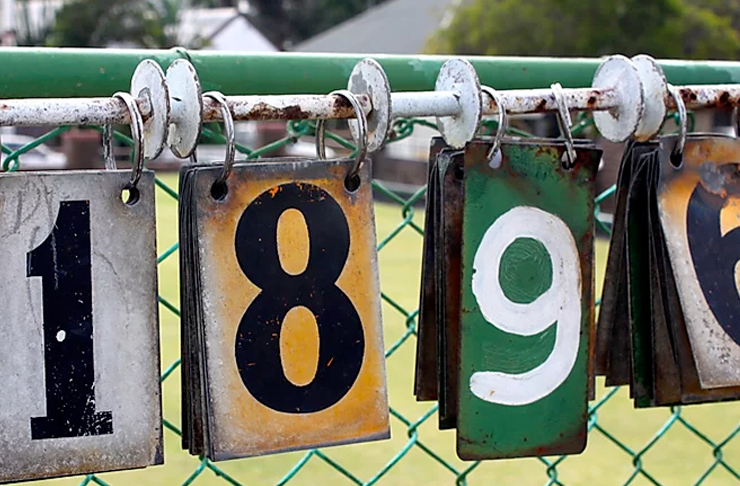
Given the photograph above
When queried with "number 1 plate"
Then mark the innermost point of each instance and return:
(79, 354)
(294, 349)
(527, 306)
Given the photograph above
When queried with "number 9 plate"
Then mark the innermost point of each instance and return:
(527, 308)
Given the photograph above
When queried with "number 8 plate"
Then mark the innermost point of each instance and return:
(527, 301)
(291, 305)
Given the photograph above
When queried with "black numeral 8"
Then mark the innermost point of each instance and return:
(341, 338)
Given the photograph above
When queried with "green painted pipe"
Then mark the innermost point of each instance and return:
(50, 72)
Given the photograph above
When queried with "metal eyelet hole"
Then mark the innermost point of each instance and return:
(130, 196)
(352, 182)
(459, 172)
(676, 159)
(219, 190)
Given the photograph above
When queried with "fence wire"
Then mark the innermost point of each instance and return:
(679, 445)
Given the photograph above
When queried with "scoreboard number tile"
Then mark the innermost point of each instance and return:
(79, 358)
(527, 301)
(291, 305)
(700, 214)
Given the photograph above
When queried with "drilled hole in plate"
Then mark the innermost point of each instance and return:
(219, 190)
(130, 195)
(352, 183)
(676, 159)
(459, 172)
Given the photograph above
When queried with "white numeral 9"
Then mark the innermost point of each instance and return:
(559, 305)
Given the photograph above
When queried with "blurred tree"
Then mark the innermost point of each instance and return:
(287, 22)
(97, 23)
(706, 29)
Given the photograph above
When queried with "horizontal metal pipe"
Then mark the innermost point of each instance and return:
(67, 111)
(424, 103)
(58, 73)
(543, 100)
(707, 96)
(287, 107)
(101, 111)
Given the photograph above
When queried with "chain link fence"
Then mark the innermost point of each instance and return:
(680, 445)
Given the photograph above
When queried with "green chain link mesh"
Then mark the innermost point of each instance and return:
(691, 445)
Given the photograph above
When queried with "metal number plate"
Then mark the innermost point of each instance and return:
(700, 213)
(79, 358)
(291, 308)
(448, 240)
(527, 308)
(425, 372)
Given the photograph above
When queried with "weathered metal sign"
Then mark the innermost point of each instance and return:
(700, 214)
(659, 331)
(425, 372)
(448, 242)
(286, 348)
(79, 358)
(527, 300)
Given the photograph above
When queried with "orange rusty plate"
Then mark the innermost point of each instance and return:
(699, 207)
(291, 303)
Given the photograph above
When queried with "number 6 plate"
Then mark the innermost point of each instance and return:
(291, 308)
(527, 303)
(79, 354)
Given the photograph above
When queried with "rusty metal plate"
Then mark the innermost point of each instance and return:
(611, 350)
(425, 372)
(448, 243)
(637, 248)
(79, 358)
(527, 306)
(700, 211)
(292, 349)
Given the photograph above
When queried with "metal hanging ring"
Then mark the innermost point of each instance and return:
(564, 122)
(110, 160)
(230, 135)
(361, 132)
(137, 133)
(502, 120)
(677, 152)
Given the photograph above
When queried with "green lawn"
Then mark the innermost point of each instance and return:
(678, 458)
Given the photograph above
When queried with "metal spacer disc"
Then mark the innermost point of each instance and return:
(654, 87)
(148, 83)
(621, 74)
(186, 105)
(460, 76)
(368, 78)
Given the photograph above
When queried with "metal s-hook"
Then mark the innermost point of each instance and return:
(502, 121)
(220, 183)
(677, 152)
(564, 122)
(137, 133)
(361, 133)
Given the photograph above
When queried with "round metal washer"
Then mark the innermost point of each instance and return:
(186, 105)
(460, 76)
(619, 73)
(655, 87)
(148, 83)
(368, 78)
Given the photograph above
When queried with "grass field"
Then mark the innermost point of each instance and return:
(678, 458)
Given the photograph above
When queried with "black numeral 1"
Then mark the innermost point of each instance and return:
(714, 258)
(341, 337)
(63, 262)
